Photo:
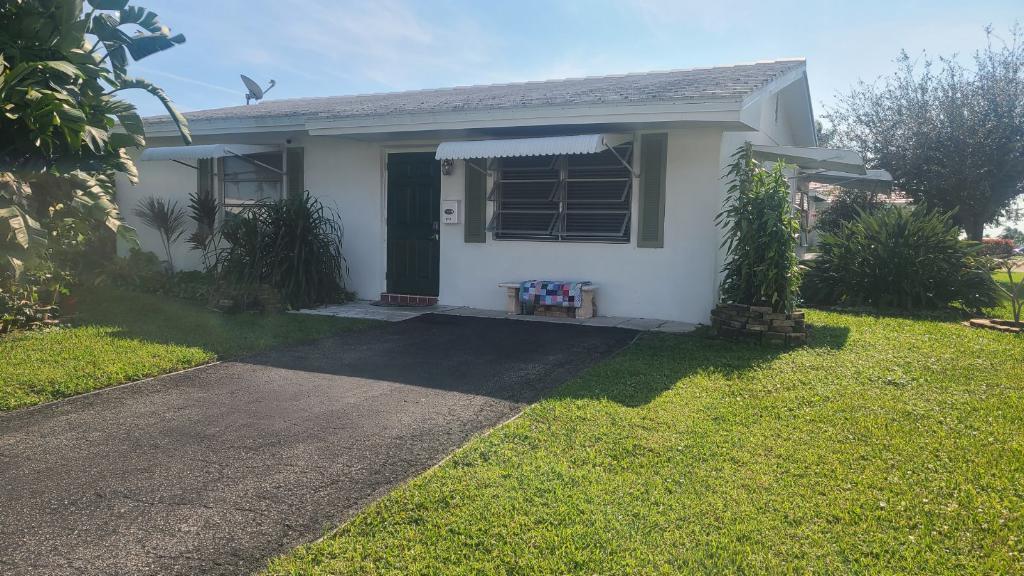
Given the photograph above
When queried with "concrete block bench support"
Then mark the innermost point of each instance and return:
(514, 306)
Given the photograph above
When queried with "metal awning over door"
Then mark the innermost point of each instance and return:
(184, 154)
(199, 152)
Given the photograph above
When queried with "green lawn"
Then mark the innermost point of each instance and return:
(123, 336)
(889, 445)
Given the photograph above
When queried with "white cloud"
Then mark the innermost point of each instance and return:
(186, 79)
(389, 42)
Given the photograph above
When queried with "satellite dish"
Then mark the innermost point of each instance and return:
(254, 91)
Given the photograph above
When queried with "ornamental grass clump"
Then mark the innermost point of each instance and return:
(900, 259)
(761, 267)
(293, 245)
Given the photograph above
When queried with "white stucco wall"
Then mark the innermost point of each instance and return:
(346, 175)
(676, 282)
(162, 179)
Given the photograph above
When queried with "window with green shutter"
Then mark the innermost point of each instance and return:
(476, 202)
(569, 198)
(651, 221)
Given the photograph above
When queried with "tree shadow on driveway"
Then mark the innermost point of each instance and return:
(521, 362)
(515, 361)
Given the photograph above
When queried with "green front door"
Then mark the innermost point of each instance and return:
(414, 209)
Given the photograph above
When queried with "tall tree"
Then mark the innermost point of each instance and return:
(63, 130)
(951, 135)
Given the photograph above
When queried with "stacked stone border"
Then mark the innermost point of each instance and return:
(759, 324)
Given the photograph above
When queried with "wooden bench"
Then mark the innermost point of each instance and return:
(514, 306)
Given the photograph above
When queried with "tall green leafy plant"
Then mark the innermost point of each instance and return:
(63, 130)
(761, 267)
(899, 258)
(167, 218)
(293, 245)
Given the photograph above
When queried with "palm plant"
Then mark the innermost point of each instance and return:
(203, 210)
(167, 218)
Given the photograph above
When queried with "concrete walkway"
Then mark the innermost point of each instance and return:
(217, 469)
(364, 309)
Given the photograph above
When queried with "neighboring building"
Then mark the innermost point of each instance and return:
(817, 195)
(616, 180)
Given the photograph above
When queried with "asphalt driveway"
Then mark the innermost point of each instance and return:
(214, 470)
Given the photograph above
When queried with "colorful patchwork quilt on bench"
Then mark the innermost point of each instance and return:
(552, 293)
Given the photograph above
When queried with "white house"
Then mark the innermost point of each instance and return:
(616, 180)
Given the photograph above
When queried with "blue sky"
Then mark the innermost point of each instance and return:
(330, 47)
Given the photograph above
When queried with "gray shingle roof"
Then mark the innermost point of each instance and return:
(728, 83)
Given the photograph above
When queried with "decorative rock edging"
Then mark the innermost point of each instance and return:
(1006, 326)
(759, 323)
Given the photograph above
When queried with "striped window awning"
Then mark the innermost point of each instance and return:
(516, 147)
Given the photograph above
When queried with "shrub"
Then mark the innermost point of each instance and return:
(293, 245)
(140, 271)
(761, 267)
(996, 247)
(899, 258)
(143, 272)
(22, 309)
(192, 285)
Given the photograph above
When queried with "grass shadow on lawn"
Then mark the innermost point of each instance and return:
(169, 321)
(641, 373)
(120, 336)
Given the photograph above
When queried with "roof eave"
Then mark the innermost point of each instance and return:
(232, 126)
(751, 114)
(720, 111)
(710, 111)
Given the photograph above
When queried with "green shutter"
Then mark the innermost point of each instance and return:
(476, 202)
(204, 179)
(653, 159)
(296, 172)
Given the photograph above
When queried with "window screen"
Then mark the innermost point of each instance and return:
(576, 197)
(246, 182)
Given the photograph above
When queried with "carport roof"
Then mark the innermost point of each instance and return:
(717, 84)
